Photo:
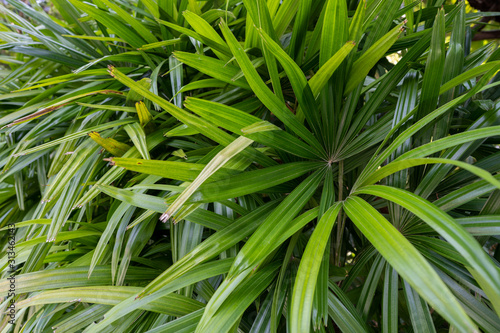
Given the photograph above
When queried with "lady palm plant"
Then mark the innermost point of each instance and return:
(255, 166)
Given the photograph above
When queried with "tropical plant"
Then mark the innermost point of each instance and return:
(248, 166)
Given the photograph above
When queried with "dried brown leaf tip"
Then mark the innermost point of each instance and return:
(164, 217)
(111, 68)
(403, 28)
(106, 92)
(36, 114)
(110, 160)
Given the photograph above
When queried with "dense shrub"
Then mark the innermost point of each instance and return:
(248, 166)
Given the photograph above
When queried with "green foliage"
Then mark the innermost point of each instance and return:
(248, 166)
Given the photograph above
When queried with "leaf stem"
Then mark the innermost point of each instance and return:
(340, 217)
